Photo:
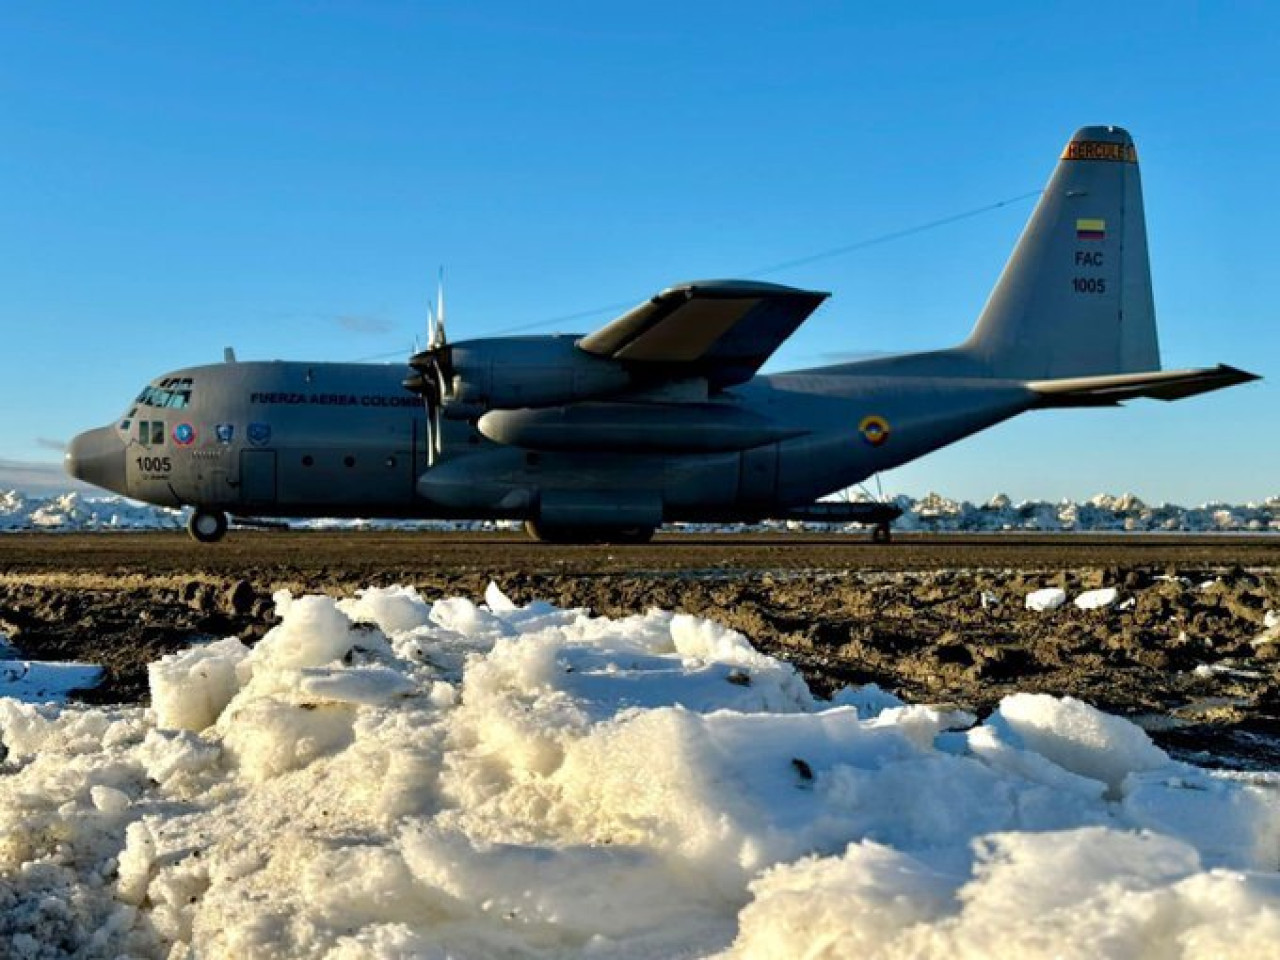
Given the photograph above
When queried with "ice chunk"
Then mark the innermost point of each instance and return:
(1050, 598)
(1078, 737)
(496, 600)
(869, 700)
(267, 737)
(189, 689)
(1096, 599)
(393, 609)
(312, 633)
(1082, 893)
(368, 685)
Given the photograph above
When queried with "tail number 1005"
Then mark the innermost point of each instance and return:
(154, 464)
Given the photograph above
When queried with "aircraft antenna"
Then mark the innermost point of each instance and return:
(799, 261)
(761, 271)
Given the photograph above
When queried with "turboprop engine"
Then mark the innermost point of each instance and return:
(473, 376)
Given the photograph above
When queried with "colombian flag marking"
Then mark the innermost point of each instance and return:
(1091, 229)
(874, 429)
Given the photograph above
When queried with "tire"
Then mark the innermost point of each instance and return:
(630, 535)
(585, 535)
(544, 534)
(207, 526)
(881, 533)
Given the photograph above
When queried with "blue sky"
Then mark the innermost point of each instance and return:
(286, 177)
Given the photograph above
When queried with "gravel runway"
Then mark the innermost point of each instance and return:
(1186, 649)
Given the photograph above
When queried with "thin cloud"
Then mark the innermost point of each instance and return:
(354, 323)
(40, 479)
(47, 444)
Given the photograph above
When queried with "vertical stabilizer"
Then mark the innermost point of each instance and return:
(1075, 298)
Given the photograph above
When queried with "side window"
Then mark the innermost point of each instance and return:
(144, 432)
(157, 433)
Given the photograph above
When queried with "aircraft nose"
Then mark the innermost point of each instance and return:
(97, 457)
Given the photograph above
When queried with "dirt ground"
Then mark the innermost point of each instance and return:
(937, 619)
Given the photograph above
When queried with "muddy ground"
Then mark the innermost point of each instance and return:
(1180, 651)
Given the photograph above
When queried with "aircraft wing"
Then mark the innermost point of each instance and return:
(723, 330)
(1113, 389)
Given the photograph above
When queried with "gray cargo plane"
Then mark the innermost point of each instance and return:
(661, 414)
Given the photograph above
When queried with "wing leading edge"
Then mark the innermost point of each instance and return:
(723, 330)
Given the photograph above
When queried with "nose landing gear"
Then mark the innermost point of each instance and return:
(207, 526)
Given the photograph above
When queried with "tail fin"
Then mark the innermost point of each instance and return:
(1075, 298)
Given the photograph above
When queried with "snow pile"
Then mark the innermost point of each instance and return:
(931, 513)
(71, 511)
(383, 776)
(1098, 514)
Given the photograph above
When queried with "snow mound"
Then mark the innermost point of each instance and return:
(386, 775)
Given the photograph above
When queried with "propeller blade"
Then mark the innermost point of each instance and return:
(438, 339)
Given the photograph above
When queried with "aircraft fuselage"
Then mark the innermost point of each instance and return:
(294, 439)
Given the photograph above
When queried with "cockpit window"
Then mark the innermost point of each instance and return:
(173, 393)
(151, 433)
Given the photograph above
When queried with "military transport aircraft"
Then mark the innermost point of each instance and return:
(660, 415)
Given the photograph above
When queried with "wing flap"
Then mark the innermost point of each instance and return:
(1117, 388)
(723, 330)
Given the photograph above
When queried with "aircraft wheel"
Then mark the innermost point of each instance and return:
(207, 526)
(881, 533)
(631, 535)
(545, 534)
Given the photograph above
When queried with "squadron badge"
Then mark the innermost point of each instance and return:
(184, 434)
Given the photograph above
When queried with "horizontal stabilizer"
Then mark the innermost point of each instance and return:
(837, 512)
(1113, 389)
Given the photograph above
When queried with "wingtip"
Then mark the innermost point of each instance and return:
(1237, 375)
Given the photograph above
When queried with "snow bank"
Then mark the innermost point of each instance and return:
(389, 776)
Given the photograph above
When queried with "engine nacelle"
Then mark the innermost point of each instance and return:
(527, 372)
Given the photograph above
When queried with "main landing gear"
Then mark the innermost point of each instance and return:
(581, 535)
(207, 526)
(881, 533)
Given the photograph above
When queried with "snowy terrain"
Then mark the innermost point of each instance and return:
(933, 512)
(387, 776)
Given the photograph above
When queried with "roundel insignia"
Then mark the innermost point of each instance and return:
(184, 434)
(874, 429)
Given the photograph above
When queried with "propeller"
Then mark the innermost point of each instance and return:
(433, 366)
